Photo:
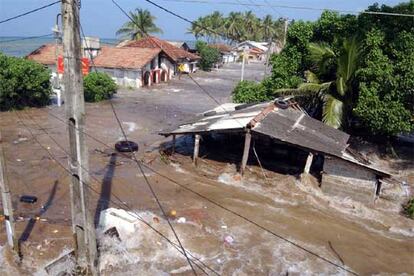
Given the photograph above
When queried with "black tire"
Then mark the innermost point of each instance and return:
(281, 104)
(126, 146)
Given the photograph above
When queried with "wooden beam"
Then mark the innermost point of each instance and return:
(308, 163)
(173, 145)
(196, 148)
(247, 140)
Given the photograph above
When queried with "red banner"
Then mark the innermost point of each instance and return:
(61, 67)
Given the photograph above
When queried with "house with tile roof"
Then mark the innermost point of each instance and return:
(128, 66)
(172, 56)
(228, 54)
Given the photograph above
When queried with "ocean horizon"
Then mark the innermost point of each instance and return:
(22, 46)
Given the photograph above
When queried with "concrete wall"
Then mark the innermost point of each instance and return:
(168, 66)
(124, 77)
(345, 179)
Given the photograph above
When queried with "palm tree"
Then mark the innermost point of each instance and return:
(336, 94)
(233, 26)
(268, 28)
(141, 25)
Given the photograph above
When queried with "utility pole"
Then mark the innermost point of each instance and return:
(7, 203)
(82, 222)
(243, 62)
(285, 32)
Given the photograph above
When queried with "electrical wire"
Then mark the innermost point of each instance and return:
(25, 38)
(292, 7)
(122, 205)
(186, 187)
(141, 170)
(29, 12)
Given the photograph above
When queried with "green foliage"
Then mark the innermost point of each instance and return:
(362, 70)
(409, 208)
(250, 92)
(209, 56)
(98, 87)
(23, 83)
(386, 88)
(141, 25)
(236, 27)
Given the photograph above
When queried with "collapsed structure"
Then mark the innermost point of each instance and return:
(345, 173)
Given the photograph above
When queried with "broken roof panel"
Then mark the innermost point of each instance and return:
(296, 128)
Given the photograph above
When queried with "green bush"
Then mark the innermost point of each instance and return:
(23, 83)
(249, 92)
(98, 87)
(209, 56)
(409, 208)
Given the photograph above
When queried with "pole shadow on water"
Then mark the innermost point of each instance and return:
(105, 196)
(29, 227)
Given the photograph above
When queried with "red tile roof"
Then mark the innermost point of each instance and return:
(45, 54)
(224, 48)
(125, 57)
(170, 50)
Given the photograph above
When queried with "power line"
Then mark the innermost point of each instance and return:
(25, 38)
(189, 21)
(124, 205)
(184, 186)
(293, 7)
(139, 165)
(29, 12)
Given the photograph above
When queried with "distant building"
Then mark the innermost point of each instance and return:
(128, 66)
(254, 50)
(172, 56)
(132, 66)
(180, 44)
(226, 51)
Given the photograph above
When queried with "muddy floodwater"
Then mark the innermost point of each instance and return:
(266, 223)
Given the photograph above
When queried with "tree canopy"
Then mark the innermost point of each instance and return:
(353, 72)
(237, 26)
(141, 25)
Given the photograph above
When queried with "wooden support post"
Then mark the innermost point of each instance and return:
(196, 148)
(82, 221)
(7, 203)
(173, 145)
(247, 140)
(308, 162)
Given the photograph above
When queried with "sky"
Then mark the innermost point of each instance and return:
(102, 18)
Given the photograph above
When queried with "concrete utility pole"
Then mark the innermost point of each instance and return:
(243, 62)
(7, 203)
(82, 221)
(285, 32)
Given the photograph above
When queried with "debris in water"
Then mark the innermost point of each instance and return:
(224, 226)
(2, 218)
(229, 240)
(181, 220)
(28, 199)
(112, 232)
(55, 231)
(156, 220)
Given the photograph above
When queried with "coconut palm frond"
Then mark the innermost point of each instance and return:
(311, 77)
(332, 111)
(321, 55)
(348, 61)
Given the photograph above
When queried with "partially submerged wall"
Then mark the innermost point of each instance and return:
(345, 179)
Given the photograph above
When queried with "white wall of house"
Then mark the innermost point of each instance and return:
(227, 58)
(189, 66)
(168, 66)
(124, 77)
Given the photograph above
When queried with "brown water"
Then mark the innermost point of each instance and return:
(359, 238)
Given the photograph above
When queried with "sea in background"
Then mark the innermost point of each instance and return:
(22, 46)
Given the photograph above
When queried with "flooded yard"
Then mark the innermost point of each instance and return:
(279, 225)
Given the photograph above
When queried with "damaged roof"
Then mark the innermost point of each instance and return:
(290, 125)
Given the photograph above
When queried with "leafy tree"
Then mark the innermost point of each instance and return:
(98, 86)
(209, 56)
(141, 25)
(385, 89)
(249, 92)
(23, 83)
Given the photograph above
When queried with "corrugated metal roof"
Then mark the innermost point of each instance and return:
(291, 126)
